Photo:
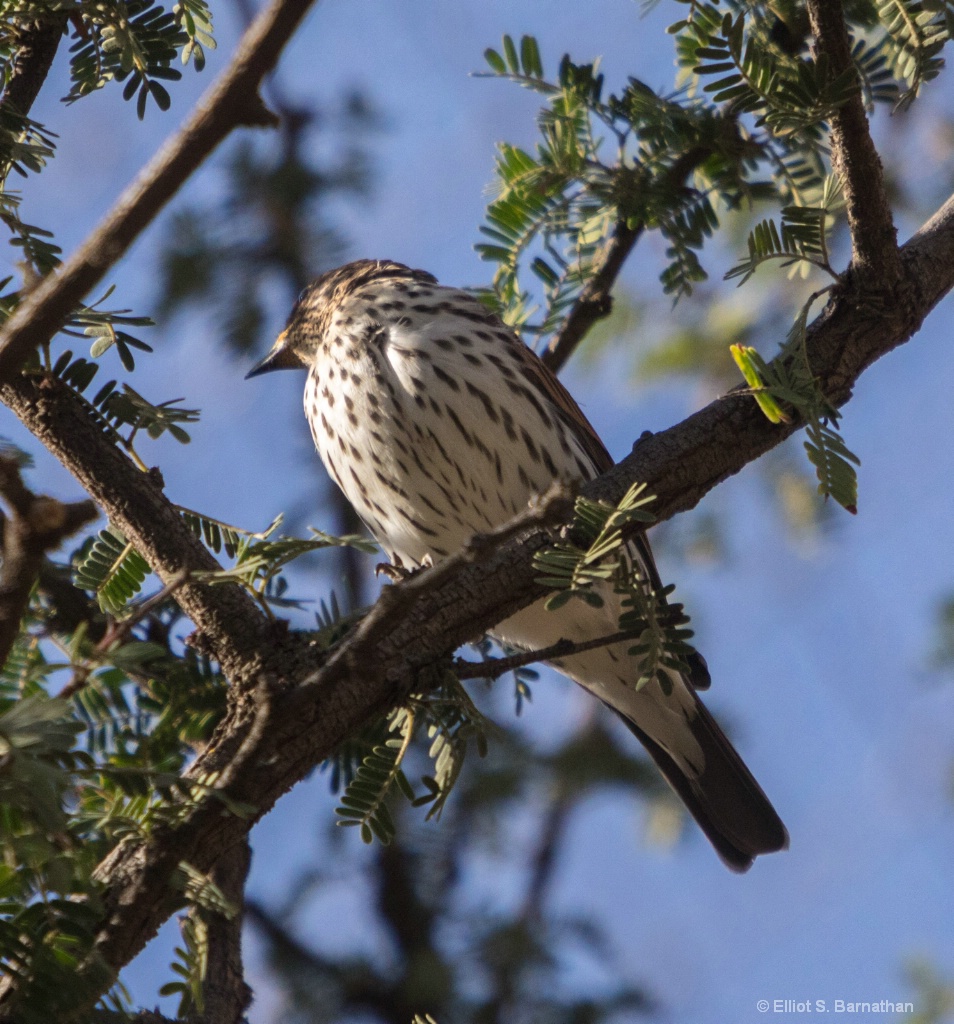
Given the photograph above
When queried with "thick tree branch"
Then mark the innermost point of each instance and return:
(135, 503)
(227, 996)
(36, 47)
(274, 734)
(854, 159)
(232, 101)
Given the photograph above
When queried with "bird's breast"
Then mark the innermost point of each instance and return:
(432, 438)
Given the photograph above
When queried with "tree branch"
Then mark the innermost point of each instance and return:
(36, 47)
(595, 301)
(854, 159)
(35, 526)
(227, 996)
(494, 668)
(232, 101)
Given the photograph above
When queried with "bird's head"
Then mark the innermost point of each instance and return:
(298, 344)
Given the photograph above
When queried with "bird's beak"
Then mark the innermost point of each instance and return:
(280, 357)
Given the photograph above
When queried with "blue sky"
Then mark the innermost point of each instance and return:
(821, 657)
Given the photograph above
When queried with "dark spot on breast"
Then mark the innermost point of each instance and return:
(528, 394)
(485, 400)
(455, 419)
(475, 316)
(390, 484)
(417, 524)
(529, 444)
(446, 378)
(423, 498)
(501, 365)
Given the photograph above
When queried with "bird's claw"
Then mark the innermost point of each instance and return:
(396, 572)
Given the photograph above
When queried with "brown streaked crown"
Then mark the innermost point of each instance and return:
(297, 345)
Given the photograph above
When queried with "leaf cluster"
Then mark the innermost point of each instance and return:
(608, 565)
(259, 558)
(79, 774)
(557, 206)
(131, 41)
(136, 42)
(451, 722)
(750, 125)
(788, 381)
(120, 411)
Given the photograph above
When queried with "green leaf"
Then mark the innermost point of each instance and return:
(112, 568)
(752, 366)
(510, 52)
(495, 61)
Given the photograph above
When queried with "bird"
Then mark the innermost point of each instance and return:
(438, 423)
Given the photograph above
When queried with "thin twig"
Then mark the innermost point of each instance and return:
(874, 238)
(494, 668)
(595, 301)
(232, 101)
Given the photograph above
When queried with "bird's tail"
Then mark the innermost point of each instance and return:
(724, 798)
